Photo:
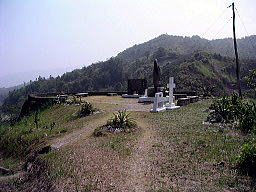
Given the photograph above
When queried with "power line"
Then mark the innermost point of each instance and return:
(245, 28)
(213, 23)
(223, 26)
(214, 36)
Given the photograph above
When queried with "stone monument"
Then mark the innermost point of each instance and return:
(135, 88)
(158, 105)
(156, 76)
(149, 95)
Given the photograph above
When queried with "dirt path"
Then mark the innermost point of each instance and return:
(119, 104)
(140, 164)
(87, 130)
(94, 164)
(98, 168)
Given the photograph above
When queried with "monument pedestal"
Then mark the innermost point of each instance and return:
(158, 110)
(171, 106)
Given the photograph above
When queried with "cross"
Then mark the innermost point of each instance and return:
(171, 85)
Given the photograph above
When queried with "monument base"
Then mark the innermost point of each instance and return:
(158, 110)
(146, 99)
(171, 106)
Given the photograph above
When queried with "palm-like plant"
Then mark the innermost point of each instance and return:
(86, 109)
(122, 120)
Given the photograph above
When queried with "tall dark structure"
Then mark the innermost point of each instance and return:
(156, 76)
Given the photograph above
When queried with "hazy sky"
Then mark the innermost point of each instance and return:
(43, 37)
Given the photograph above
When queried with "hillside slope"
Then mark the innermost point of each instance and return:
(5, 91)
(178, 57)
(186, 45)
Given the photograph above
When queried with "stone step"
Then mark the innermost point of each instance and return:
(183, 101)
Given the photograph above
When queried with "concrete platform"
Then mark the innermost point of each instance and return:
(171, 106)
(131, 96)
(158, 110)
(150, 99)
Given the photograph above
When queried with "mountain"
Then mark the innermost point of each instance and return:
(195, 63)
(5, 91)
(185, 45)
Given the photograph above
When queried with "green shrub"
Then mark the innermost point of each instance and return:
(247, 118)
(230, 108)
(86, 109)
(247, 159)
(226, 109)
(121, 120)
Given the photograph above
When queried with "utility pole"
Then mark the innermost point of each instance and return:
(236, 53)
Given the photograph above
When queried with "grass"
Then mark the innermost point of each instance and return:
(119, 143)
(57, 162)
(11, 163)
(198, 151)
(17, 140)
(184, 154)
(24, 137)
(196, 157)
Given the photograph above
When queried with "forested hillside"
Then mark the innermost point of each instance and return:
(195, 63)
(185, 45)
(5, 91)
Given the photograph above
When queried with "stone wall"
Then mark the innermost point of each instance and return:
(137, 86)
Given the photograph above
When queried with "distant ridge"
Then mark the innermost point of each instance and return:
(5, 91)
(194, 62)
(186, 45)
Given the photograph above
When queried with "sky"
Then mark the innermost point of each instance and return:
(50, 37)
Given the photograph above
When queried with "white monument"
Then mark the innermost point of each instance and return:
(171, 86)
(146, 98)
(158, 105)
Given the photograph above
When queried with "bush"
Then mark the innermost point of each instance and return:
(226, 110)
(86, 109)
(247, 118)
(230, 109)
(247, 159)
(121, 120)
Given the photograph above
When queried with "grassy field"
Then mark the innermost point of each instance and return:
(170, 151)
(199, 157)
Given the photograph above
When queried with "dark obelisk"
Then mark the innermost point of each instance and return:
(156, 76)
